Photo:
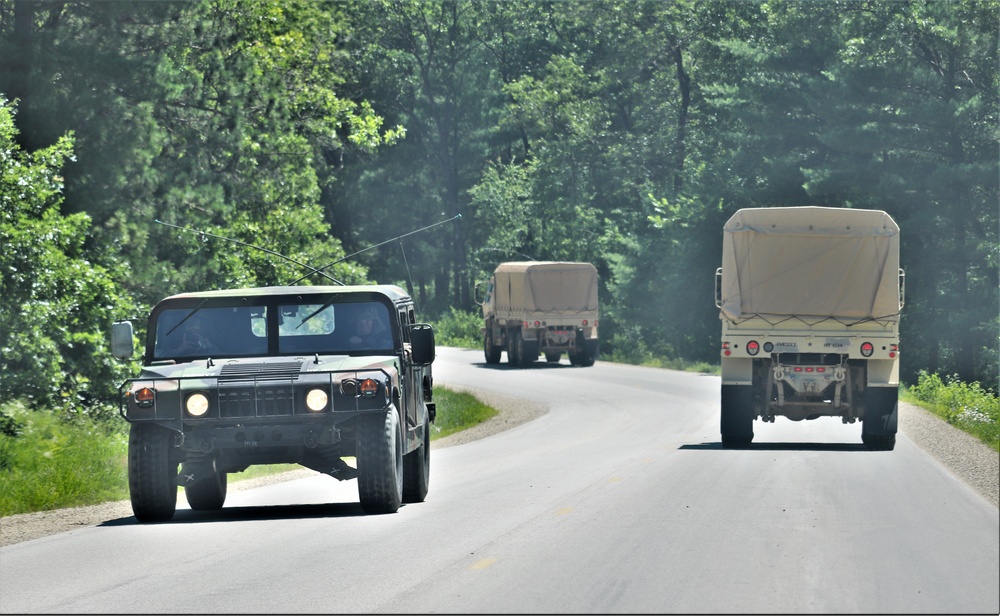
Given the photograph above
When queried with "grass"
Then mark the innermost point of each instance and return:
(47, 462)
(967, 406)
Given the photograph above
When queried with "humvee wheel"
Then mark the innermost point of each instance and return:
(209, 494)
(417, 469)
(380, 462)
(152, 477)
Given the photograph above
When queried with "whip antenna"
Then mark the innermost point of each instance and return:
(267, 250)
(393, 239)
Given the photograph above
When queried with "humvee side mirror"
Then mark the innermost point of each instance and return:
(422, 343)
(122, 344)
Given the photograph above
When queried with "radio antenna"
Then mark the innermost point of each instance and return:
(267, 250)
(398, 237)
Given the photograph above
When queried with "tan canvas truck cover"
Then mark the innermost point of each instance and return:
(810, 262)
(551, 288)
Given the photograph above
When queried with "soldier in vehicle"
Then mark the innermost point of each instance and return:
(196, 337)
(370, 329)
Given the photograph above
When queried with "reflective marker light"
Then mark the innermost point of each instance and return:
(197, 404)
(317, 399)
(867, 348)
(753, 347)
(144, 397)
(368, 388)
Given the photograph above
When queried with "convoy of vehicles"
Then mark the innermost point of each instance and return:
(810, 301)
(323, 376)
(311, 375)
(541, 307)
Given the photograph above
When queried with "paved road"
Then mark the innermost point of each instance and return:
(619, 499)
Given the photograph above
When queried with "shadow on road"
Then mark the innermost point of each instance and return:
(782, 447)
(266, 512)
(538, 365)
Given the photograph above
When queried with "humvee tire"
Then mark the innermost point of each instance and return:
(380, 462)
(209, 494)
(152, 477)
(417, 469)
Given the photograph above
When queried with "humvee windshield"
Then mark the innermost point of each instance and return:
(242, 331)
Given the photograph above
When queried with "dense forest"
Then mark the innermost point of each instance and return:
(150, 148)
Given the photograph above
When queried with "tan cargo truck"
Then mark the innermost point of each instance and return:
(810, 301)
(540, 307)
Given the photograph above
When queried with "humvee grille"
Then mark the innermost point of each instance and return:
(258, 390)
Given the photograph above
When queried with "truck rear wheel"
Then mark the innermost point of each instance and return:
(736, 423)
(152, 476)
(209, 494)
(526, 351)
(879, 424)
(512, 349)
(380, 462)
(553, 357)
(490, 352)
(417, 469)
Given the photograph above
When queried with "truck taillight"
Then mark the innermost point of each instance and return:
(753, 347)
(867, 348)
(893, 349)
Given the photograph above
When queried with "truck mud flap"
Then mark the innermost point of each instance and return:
(737, 415)
(880, 421)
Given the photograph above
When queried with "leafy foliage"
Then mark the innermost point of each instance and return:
(56, 306)
(966, 405)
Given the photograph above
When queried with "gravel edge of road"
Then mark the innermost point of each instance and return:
(963, 455)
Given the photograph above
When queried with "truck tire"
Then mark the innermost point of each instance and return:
(152, 476)
(209, 494)
(879, 424)
(491, 352)
(527, 352)
(512, 348)
(553, 357)
(380, 462)
(736, 423)
(417, 469)
(582, 353)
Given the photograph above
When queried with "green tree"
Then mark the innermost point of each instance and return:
(56, 307)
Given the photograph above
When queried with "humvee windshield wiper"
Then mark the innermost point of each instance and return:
(187, 316)
(315, 312)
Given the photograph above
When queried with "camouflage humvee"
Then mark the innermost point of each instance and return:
(309, 375)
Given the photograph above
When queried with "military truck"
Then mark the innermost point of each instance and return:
(540, 307)
(320, 376)
(810, 301)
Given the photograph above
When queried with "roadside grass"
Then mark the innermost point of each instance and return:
(47, 462)
(967, 406)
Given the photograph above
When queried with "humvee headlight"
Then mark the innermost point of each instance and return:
(197, 405)
(317, 399)
(368, 388)
(144, 397)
